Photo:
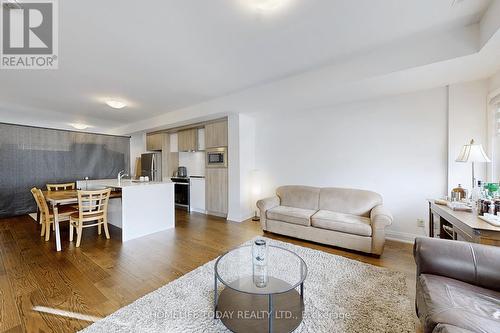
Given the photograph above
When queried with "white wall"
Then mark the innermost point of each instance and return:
(494, 82)
(467, 120)
(233, 168)
(493, 126)
(396, 146)
(241, 151)
(247, 165)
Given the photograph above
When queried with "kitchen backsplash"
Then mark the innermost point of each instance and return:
(194, 162)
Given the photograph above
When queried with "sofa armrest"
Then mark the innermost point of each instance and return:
(264, 205)
(268, 203)
(381, 217)
(472, 263)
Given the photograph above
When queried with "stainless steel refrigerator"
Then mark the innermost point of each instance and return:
(151, 166)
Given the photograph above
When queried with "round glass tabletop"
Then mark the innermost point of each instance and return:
(282, 271)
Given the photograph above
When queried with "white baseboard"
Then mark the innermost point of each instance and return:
(202, 211)
(229, 218)
(239, 219)
(251, 216)
(403, 237)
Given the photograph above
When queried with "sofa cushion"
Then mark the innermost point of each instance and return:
(348, 201)
(305, 197)
(291, 215)
(347, 223)
(452, 302)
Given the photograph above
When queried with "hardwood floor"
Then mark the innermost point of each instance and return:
(42, 290)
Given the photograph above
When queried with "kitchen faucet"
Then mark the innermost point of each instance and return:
(121, 174)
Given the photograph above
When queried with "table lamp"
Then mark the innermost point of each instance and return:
(473, 153)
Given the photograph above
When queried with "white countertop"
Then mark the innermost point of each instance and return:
(123, 183)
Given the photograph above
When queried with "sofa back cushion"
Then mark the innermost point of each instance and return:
(349, 201)
(305, 197)
(471, 263)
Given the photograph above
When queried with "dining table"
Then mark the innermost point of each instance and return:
(60, 198)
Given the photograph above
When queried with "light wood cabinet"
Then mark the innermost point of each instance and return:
(188, 140)
(170, 160)
(201, 139)
(154, 141)
(216, 184)
(174, 145)
(216, 134)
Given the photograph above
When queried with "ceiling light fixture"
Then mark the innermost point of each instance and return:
(265, 5)
(80, 126)
(116, 104)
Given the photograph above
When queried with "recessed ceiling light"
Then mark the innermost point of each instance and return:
(116, 104)
(80, 126)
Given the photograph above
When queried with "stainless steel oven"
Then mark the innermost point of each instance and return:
(216, 158)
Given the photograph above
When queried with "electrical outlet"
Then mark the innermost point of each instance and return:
(420, 223)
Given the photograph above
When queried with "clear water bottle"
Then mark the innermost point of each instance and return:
(259, 260)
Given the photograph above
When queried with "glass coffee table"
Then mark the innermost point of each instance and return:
(253, 301)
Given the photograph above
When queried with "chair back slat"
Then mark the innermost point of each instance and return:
(40, 202)
(61, 187)
(93, 203)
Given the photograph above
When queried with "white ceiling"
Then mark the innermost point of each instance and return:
(167, 55)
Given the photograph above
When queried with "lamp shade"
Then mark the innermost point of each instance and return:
(472, 153)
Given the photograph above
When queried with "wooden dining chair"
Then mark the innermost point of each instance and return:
(92, 211)
(46, 213)
(61, 187)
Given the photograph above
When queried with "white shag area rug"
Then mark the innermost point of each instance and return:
(341, 295)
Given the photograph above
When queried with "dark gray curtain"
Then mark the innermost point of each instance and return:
(31, 156)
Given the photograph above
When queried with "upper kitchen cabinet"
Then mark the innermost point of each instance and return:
(174, 143)
(188, 140)
(154, 141)
(216, 134)
(170, 160)
(201, 139)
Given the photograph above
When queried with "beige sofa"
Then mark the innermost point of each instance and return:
(348, 218)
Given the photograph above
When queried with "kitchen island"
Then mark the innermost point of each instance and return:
(143, 208)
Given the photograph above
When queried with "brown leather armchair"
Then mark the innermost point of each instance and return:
(458, 286)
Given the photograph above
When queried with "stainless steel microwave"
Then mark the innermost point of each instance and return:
(216, 158)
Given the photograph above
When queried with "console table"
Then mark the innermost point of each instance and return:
(464, 226)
